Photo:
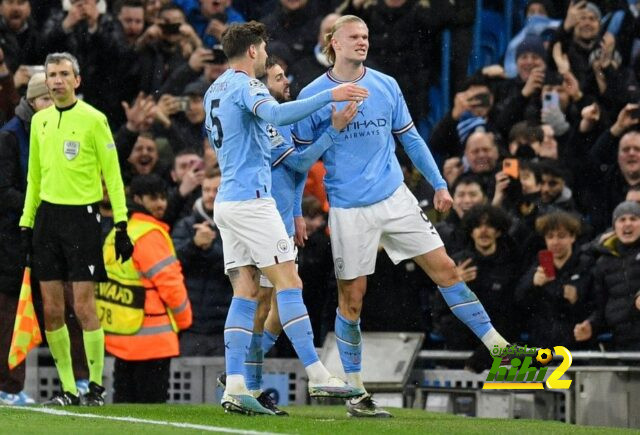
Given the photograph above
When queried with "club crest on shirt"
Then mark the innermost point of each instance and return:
(283, 246)
(71, 149)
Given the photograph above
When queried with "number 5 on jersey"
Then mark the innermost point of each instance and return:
(215, 121)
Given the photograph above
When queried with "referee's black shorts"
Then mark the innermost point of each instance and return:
(66, 243)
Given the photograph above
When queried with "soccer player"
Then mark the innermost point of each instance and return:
(370, 205)
(289, 168)
(240, 118)
(71, 147)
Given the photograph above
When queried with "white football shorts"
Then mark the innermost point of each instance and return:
(264, 281)
(252, 233)
(397, 223)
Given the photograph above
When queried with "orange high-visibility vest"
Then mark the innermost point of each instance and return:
(144, 303)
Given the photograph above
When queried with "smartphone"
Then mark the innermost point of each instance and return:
(170, 28)
(635, 113)
(511, 168)
(183, 104)
(481, 100)
(545, 258)
(550, 100)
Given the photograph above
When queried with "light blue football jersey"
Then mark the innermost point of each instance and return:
(362, 168)
(287, 184)
(240, 121)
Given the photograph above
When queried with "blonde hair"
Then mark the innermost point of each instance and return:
(345, 19)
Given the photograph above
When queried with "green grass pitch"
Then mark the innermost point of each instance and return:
(303, 420)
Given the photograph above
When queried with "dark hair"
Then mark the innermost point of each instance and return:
(127, 4)
(212, 172)
(151, 184)
(553, 168)
(466, 179)
(488, 215)
(237, 39)
(270, 63)
(524, 129)
(528, 165)
(476, 79)
(186, 152)
(171, 7)
(557, 220)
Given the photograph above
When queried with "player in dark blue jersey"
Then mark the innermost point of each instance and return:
(240, 118)
(370, 204)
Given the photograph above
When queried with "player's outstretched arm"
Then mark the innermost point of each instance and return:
(293, 111)
(421, 157)
(301, 161)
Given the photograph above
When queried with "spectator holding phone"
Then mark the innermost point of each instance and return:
(616, 280)
(20, 40)
(165, 46)
(181, 118)
(472, 106)
(84, 29)
(555, 291)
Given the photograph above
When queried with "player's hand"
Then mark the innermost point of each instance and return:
(340, 119)
(442, 200)
(467, 271)
(123, 245)
(349, 92)
(204, 236)
(540, 278)
(26, 245)
(638, 303)
(583, 331)
(301, 231)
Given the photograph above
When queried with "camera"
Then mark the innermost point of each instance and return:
(170, 28)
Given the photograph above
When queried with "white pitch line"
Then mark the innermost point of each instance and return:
(139, 420)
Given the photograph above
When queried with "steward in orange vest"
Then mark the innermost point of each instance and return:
(144, 303)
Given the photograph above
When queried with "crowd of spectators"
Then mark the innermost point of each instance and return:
(541, 159)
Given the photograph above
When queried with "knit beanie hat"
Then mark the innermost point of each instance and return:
(531, 44)
(469, 124)
(37, 86)
(626, 207)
